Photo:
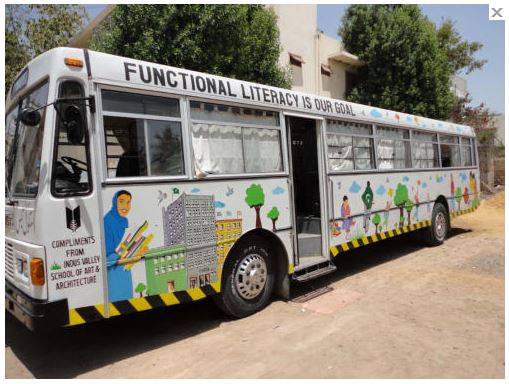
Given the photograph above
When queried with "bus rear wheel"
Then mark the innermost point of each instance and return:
(248, 280)
(437, 232)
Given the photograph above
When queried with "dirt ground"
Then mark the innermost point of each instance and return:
(392, 310)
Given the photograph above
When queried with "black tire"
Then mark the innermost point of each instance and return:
(234, 299)
(437, 232)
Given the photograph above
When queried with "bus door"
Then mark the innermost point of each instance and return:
(307, 185)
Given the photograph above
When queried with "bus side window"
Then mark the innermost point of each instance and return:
(71, 166)
(349, 145)
(235, 140)
(424, 150)
(449, 151)
(143, 135)
(393, 148)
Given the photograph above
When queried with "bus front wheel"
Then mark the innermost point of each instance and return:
(437, 232)
(248, 280)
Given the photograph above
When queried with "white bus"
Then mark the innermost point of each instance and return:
(132, 185)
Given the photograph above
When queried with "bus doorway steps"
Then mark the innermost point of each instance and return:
(313, 271)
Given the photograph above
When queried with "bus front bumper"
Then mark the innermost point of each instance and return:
(36, 315)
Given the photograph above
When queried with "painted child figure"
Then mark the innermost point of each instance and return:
(345, 214)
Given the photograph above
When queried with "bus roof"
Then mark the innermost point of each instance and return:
(111, 69)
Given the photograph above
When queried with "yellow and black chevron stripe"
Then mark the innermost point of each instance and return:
(97, 312)
(462, 212)
(337, 249)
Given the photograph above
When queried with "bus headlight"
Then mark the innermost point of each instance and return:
(21, 266)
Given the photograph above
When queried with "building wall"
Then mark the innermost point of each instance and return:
(500, 126)
(334, 85)
(297, 31)
(459, 86)
(299, 35)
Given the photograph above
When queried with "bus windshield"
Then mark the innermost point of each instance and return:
(23, 145)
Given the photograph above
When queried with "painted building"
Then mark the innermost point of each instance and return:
(227, 232)
(165, 270)
(190, 221)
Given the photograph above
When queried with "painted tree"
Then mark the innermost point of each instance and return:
(273, 215)
(376, 220)
(408, 206)
(458, 195)
(140, 288)
(234, 40)
(400, 199)
(255, 198)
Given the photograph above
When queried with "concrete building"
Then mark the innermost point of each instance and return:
(500, 126)
(318, 63)
(458, 86)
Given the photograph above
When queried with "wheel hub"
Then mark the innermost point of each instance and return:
(440, 225)
(251, 276)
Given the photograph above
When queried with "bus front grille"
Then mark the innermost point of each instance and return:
(9, 260)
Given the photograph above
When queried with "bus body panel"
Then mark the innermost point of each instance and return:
(398, 199)
(187, 230)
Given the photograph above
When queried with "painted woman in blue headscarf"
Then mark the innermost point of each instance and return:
(120, 282)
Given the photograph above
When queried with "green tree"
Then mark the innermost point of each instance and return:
(255, 198)
(376, 220)
(409, 206)
(460, 53)
(405, 68)
(458, 195)
(400, 199)
(478, 117)
(31, 29)
(237, 40)
(273, 215)
(140, 288)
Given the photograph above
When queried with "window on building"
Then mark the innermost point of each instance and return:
(326, 70)
(143, 135)
(350, 145)
(450, 151)
(424, 150)
(296, 62)
(393, 148)
(235, 140)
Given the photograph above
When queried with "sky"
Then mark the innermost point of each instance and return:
(485, 85)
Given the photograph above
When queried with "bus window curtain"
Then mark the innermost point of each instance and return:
(217, 148)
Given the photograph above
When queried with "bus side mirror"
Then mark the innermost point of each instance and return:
(30, 117)
(74, 123)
